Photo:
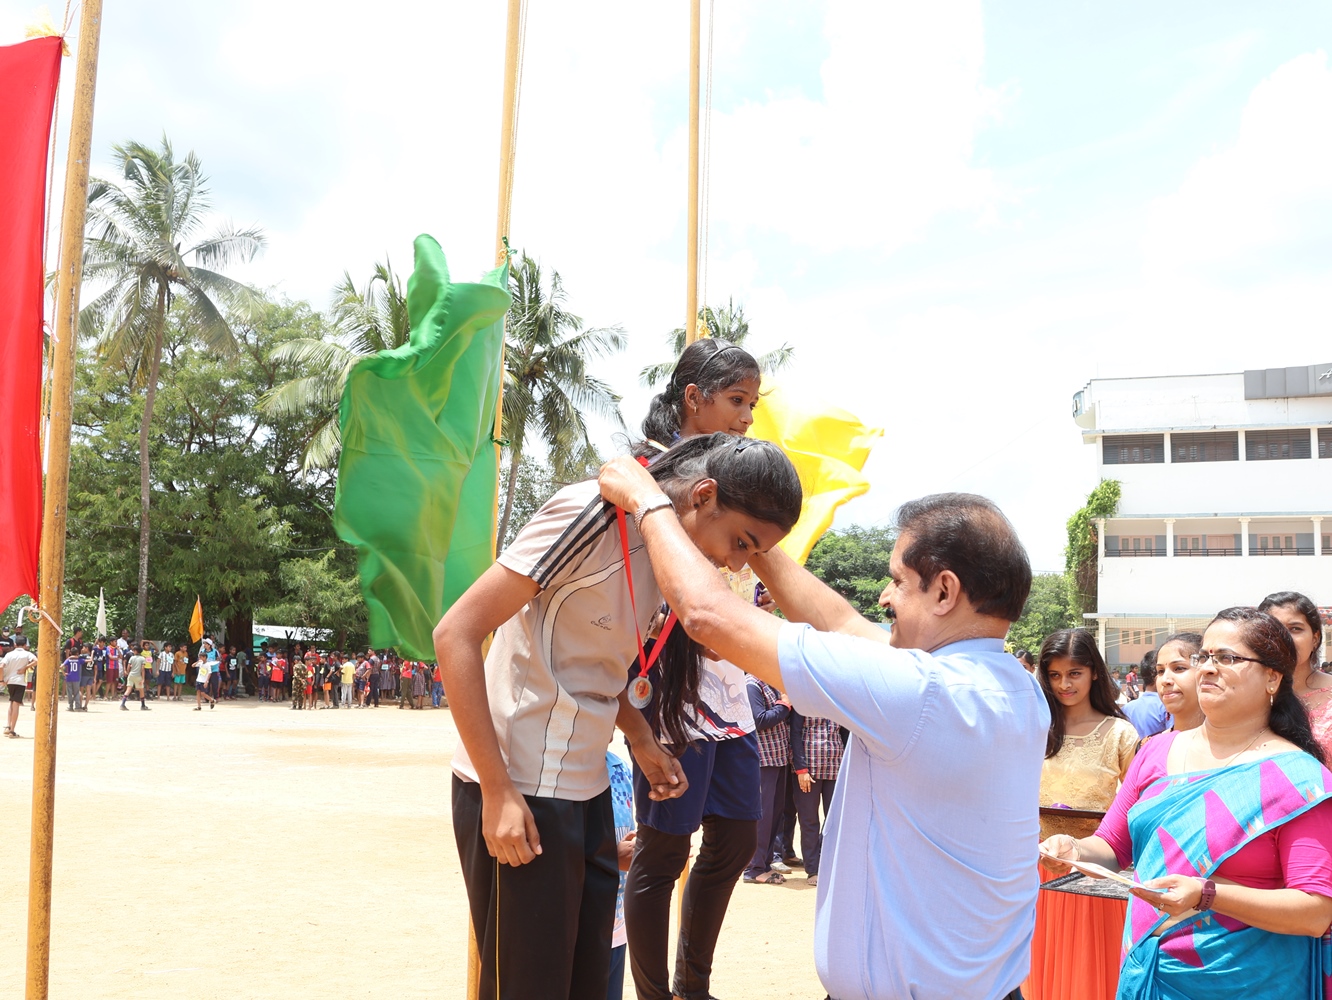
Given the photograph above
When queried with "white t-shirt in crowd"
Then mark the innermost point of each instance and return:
(15, 665)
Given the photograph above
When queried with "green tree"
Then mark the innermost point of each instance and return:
(1080, 554)
(547, 385)
(230, 503)
(147, 243)
(854, 562)
(728, 324)
(1049, 608)
(319, 594)
(368, 320)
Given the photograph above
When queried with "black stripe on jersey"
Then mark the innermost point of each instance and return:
(582, 532)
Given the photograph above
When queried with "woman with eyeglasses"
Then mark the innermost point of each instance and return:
(1231, 822)
(1177, 680)
(1312, 686)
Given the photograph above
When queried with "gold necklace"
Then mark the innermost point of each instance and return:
(1228, 762)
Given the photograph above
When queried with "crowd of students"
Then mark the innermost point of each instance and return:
(111, 669)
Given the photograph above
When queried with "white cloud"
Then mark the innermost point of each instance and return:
(1267, 194)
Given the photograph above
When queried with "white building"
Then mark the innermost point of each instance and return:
(1226, 496)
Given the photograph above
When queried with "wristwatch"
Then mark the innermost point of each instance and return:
(1208, 895)
(649, 505)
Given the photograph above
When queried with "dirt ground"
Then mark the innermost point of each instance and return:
(253, 851)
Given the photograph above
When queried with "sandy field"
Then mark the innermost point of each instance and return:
(253, 851)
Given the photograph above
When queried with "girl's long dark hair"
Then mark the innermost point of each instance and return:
(1307, 608)
(708, 363)
(1272, 645)
(1078, 645)
(753, 477)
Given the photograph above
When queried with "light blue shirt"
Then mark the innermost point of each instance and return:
(622, 804)
(927, 883)
(1147, 714)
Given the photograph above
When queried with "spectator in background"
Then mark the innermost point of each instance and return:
(622, 807)
(1177, 680)
(816, 757)
(771, 712)
(1146, 712)
(165, 661)
(348, 673)
(73, 671)
(1028, 662)
(137, 678)
(180, 666)
(405, 685)
(436, 686)
(14, 669)
(87, 675)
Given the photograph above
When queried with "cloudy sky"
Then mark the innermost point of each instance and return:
(956, 212)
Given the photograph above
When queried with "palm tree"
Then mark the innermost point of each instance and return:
(547, 388)
(369, 320)
(145, 240)
(727, 324)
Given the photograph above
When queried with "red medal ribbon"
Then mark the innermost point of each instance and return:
(644, 661)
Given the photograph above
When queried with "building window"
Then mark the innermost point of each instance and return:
(1133, 449)
(1325, 442)
(1219, 446)
(1266, 446)
(1137, 544)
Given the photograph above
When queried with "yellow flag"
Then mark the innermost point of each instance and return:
(196, 621)
(828, 447)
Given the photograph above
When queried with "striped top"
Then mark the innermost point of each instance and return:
(816, 746)
(770, 724)
(556, 668)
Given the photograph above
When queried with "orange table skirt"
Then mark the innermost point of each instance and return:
(1075, 952)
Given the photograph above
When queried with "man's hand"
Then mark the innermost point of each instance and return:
(508, 827)
(625, 850)
(663, 771)
(804, 781)
(626, 484)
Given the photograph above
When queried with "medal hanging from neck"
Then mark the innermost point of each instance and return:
(640, 688)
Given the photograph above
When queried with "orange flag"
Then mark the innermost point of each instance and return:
(196, 621)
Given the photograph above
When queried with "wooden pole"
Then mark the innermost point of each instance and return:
(508, 137)
(691, 266)
(63, 354)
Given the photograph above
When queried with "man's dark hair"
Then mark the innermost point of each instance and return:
(1147, 670)
(970, 536)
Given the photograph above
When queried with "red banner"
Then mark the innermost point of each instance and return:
(29, 73)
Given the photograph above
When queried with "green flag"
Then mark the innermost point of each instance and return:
(417, 474)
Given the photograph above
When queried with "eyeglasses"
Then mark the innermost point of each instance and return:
(1222, 659)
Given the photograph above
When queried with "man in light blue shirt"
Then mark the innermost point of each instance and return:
(927, 885)
(1146, 712)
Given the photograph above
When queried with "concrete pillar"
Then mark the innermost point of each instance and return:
(1242, 447)
(1100, 545)
(1100, 635)
(1170, 537)
(1166, 444)
(1244, 533)
(1318, 533)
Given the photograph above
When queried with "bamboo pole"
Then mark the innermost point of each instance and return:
(508, 138)
(64, 337)
(691, 254)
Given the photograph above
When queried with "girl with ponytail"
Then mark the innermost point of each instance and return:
(712, 393)
(714, 387)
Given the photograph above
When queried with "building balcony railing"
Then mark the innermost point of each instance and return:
(1302, 550)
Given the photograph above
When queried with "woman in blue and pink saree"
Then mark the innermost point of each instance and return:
(1229, 829)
